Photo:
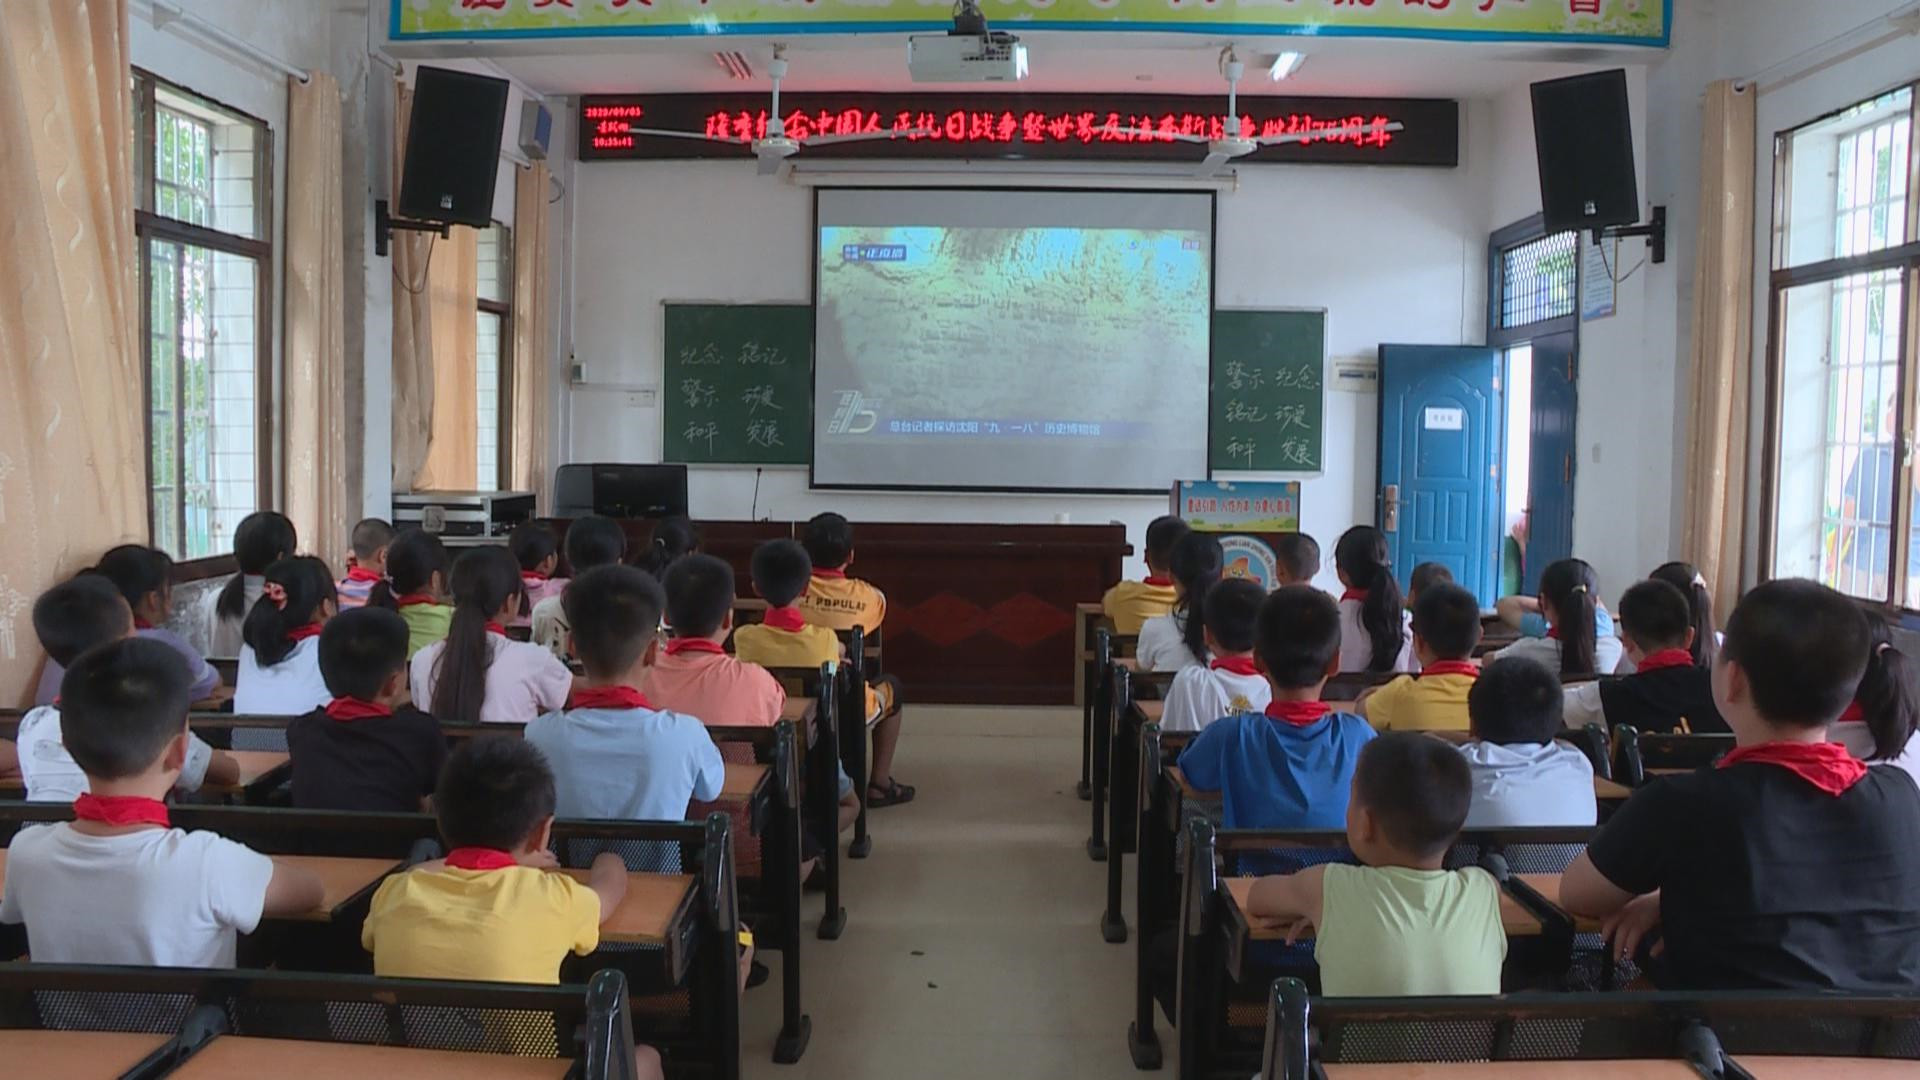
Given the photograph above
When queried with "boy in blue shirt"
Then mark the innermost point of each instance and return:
(1289, 767)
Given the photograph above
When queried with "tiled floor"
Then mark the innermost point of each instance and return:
(986, 877)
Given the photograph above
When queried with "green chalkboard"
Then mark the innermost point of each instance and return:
(1269, 391)
(738, 386)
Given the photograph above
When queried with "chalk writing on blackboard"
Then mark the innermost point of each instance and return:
(1240, 412)
(707, 432)
(764, 433)
(698, 392)
(759, 397)
(1294, 415)
(1242, 448)
(1240, 377)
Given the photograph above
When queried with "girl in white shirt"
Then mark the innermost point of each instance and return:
(261, 539)
(279, 673)
(1569, 589)
(1375, 626)
(1890, 686)
(1178, 639)
(476, 675)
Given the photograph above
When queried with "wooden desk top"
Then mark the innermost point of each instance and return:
(646, 914)
(342, 880)
(1152, 711)
(1519, 922)
(798, 709)
(1548, 886)
(1611, 790)
(74, 1053)
(1518, 1070)
(742, 781)
(255, 765)
(1186, 788)
(1825, 1068)
(233, 1057)
(1085, 608)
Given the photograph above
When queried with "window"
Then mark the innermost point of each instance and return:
(1538, 280)
(201, 222)
(1842, 359)
(493, 348)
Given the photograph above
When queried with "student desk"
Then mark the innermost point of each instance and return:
(1825, 1068)
(234, 1057)
(1086, 620)
(1519, 1070)
(1610, 790)
(342, 881)
(31, 1052)
(744, 783)
(652, 912)
(256, 767)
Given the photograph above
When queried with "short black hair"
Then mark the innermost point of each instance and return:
(1447, 618)
(1418, 789)
(1656, 615)
(137, 571)
(1426, 576)
(370, 535)
(1231, 612)
(359, 648)
(78, 615)
(1516, 700)
(121, 703)
(1162, 533)
(613, 613)
(594, 541)
(1298, 554)
(699, 595)
(493, 793)
(781, 571)
(531, 544)
(1298, 636)
(1803, 647)
(828, 540)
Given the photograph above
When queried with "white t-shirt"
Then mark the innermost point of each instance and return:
(225, 639)
(1356, 648)
(1161, 647)
(51, 774)
(1200, 695)
(151, 898)
(1607, 653)
(1858, 740)
(1526, 784)
(550, 629)
(523, 681)
(292, 687)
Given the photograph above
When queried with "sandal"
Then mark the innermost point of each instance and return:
(893, 794)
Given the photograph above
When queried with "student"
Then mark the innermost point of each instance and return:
(71, 618)
(1231, 682)
(1296, 559)
(1373, 622)
(592, 542)
(693, 673)
(539, 556)
(1575, 643)
(279, 671)
(368, 566)
(144, 577)
(1446, 627)
(262, 538)
(1289, 766)
(366, 749)
(674, 538)
(833, 599)
(1400, 925)
(1706, 636)
(416, 587)
(1178, 639)
(476, 675)
(1130, 604)
(1424, 577)
(1890, 686)
(1667, 692)
(1790, 865)
(1521, 775)
(117, 885)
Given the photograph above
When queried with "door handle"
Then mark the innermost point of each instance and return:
(1390, 513)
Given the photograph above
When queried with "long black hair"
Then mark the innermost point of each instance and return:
(1361, 556)
(1569, 589)
(1195, 562)
(413, 557)
(298, 590)
(1889, 694)
(484, 580)
(137, 571)
(1684, 577)
(263, 538)
(673, 538)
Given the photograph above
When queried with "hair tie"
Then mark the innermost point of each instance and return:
(1578, 589)
(1881, 649)
(1699, 581)
(275, 592)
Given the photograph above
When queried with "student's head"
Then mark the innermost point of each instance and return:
(370, 539)
(1654, 616)
(144, 577)
(363, 654)
(829, 541)
(1446, 623)
(1889, 694)
(495, 793)
(1793, 660)
(78, 615)
(1410, 797)
(1516, 700)
(1233, 615)
(613, 613)
(1162, 534)
(123, 709)
(1569, 590)
(1296, 558)
(1683, 576)
(262, 538)
(485, 587)
(781, 571)
(1361, 560)
(533, 546)
(673, 539)
(1424, 577)
(1297, 637)
(594, 541)
(416, 566)
(1195, 562)
(299, 593)
(699, 597)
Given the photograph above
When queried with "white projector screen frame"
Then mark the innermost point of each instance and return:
(878, 207)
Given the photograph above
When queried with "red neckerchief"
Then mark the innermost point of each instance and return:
(413, 598)
(608, 697)
(1159, 582)
(349, 709)
(302, 633)
(1297, 713)
(693, 644)
(1239, 665)
(496, 628)
(1665, 658)
(121, 810)
(533, 577)
(835, 575)
(361, 573)
(480, 858)
(1354, 594)
(141, 624)
(786, 618)
(1451, 667)
(1855, 713)
(1553, 633)
(1827, 766)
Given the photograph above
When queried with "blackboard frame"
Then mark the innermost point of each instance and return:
(1214, 471)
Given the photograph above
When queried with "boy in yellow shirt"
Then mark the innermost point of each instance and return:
(1446, 627)
(831, 598)
(1130, 604)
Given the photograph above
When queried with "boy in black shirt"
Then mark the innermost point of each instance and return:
(365, 750)
(1791, 865)
(1667, 692)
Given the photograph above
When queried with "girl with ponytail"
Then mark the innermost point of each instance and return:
(1179, 638)
(673, 539)
(476, 675)
(1374, 633)
(279, 673)
(1574, 645)
(416, 587)
(262, 538)
(1706, 637)
(1880, 724)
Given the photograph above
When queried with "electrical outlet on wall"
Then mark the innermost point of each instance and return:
(577, 370)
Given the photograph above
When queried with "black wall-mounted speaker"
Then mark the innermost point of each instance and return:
(1583, 136)
(453, 147)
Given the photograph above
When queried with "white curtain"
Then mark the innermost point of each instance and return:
(314, 442)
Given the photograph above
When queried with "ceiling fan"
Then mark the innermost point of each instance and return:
(1233, 143)
(777, 145)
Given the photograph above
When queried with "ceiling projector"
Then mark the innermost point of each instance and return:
(957, 58)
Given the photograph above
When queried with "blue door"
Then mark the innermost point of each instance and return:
(1554, 460)
(1440, 433)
